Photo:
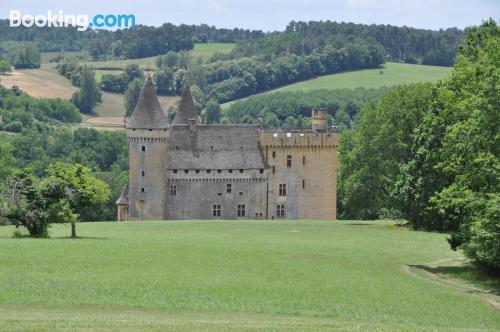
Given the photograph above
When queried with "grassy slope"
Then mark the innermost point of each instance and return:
(205, 51)
(393, 74)
(220, 275)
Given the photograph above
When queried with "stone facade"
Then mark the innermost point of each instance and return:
(187, 170)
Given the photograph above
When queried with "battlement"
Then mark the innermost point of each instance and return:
(147, 135)
(299, 139)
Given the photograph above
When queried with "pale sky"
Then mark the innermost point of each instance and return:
(275, 14)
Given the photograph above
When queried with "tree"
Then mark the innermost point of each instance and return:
(212, 111)
(132, 71)
(131, 96)
(24, 204)
(371, 156)
(164, 81)
(454, 175)
(7, 161)
(5, 67)
(113, 83)
(28, 57)
(89, 95)
(68, 188)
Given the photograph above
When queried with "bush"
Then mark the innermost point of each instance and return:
(28, 57)
(113, 83)
(14, 126)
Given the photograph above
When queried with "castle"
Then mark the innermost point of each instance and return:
(189, 170)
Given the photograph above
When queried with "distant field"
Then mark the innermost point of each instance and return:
(393, 74)
(46, 56)
(42, 82)
(205, 51)
(227, 275)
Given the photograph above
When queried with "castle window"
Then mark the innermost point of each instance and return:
(289, 161)
(280, 210)
(241, 193)
(274, 154)
(230, 171)
(219, 171)
(177, 147)
(219, 194)
(228, 188)
(241, 148)
(175, 171)
(282, 189)
(261, 171)
(186, 171)
(216, 210)
(303, 160)
(197, 171)
(142, 173)
(274, 169)
(241, 171)
(212, 148)
(142, 190)
(173, 190)
(143, 148)
(241, 210)
(303, 183)
(150, 129)
(208, 171)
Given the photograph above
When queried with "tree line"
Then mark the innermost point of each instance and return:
(401, 44)
(430, 153)
(292, 109)
(226, 80)
(136, 42)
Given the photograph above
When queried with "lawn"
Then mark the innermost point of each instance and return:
(392, 74)
(222, 275)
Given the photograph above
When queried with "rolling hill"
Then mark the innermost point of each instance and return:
(391, 74)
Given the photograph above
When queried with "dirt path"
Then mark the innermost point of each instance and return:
(427, 272)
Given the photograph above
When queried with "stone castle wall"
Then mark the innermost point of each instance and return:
(310, 180)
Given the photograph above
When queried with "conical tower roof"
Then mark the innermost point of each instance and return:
(186, 107)
(148, 113)
(123, 199)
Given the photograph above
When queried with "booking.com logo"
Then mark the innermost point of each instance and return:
(82, 22)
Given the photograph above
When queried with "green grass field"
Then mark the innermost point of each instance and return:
(226, 275)
(205, 51)
(393, 74)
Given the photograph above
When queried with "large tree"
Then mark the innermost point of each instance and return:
(69, 188)
(371, 155)
(89, 95)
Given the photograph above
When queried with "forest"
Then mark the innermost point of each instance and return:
(300, 38)
(430, 153)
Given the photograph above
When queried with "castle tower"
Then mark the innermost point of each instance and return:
(318, 117)
(186, 110)
(147, 131)
(303, 177)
